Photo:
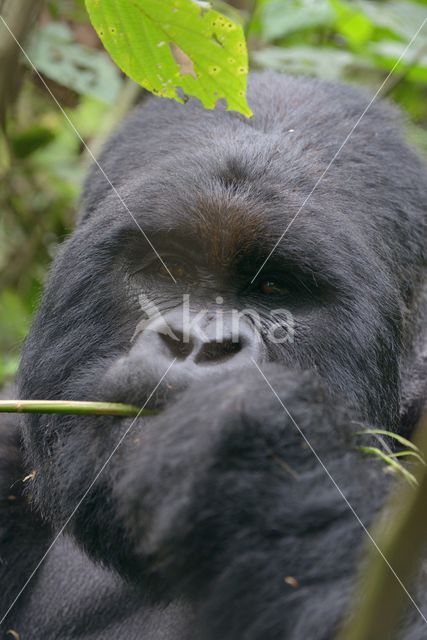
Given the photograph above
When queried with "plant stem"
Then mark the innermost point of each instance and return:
(73, 407)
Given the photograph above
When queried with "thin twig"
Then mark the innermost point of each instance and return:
(72, 407)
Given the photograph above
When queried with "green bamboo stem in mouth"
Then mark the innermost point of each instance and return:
(73, 407)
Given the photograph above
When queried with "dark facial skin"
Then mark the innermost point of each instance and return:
(196, 501)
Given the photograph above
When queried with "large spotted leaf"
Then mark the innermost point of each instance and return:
(175, 48)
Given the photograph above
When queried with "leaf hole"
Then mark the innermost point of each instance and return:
(215, 39)
(185, 64)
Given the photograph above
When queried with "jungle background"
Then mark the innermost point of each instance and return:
(43, 161)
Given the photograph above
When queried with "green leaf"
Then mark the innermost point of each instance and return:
(388, 52)
(390, 434)
(279, 18)
(321, 62)
(171, 47)
(393, 464)
(24, 143)
(401, 17)
(352, 23)
(409, 454)
(84, 70)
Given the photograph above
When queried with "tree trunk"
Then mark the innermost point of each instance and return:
(18, 16)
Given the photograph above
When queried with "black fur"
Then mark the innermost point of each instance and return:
(217, 509)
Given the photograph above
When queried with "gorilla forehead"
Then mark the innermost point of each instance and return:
(228, 205)
(229, 185)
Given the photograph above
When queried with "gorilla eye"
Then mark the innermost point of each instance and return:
(178, 269)
(272, 287)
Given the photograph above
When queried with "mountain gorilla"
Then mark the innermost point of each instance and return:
(226, 514)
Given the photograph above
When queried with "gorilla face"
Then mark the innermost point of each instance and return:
(205, 303)
(195, 269)
(232, 243)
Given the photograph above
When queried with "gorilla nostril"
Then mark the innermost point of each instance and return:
(178, 347)
(214, 352)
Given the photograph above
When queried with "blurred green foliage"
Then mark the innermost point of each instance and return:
(85, 70)
(42, 161)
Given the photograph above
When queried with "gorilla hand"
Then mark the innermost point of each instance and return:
(216, 511)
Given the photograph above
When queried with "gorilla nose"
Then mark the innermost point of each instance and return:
(213, 342)
(202, 352)
(212, 352)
